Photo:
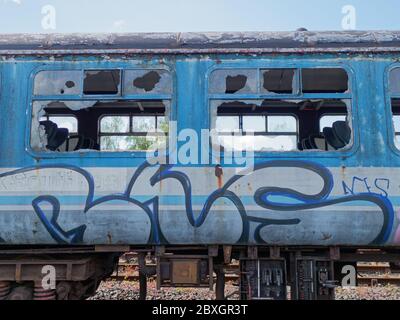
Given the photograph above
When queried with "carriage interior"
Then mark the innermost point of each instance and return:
(289, 114)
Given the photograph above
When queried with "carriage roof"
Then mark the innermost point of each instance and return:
(227, 42)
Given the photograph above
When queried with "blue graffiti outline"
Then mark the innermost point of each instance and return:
(74, 236)
(321, 200)
(165, 172)
(151, 207)
(60, 235)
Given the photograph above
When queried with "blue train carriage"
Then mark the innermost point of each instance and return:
(277, 150)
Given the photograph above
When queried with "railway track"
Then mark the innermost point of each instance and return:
(369, 274)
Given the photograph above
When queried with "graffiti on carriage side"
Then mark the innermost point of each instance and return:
(363, 184)
(52, 226)
(289, 200)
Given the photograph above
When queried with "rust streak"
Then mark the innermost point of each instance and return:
(219, 173)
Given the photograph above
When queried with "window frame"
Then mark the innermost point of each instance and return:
(390, 130)
(170, 110)
(348, 91)
(130, 133)
(265, 133)
(351, 95)
(120, 88)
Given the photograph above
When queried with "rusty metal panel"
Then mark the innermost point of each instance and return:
(111, 248)
(28, 270)
(185, 271)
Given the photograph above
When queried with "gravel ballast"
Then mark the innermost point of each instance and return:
(125, 290)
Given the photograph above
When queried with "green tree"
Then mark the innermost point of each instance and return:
(131, 143)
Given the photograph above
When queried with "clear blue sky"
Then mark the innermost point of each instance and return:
(190, 15)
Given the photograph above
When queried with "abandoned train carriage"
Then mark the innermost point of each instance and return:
(319, 113)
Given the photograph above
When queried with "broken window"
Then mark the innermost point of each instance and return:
(282, 81)
(82, 123)
(147, 81)
(130, 125)
(394, 88)
(69, 122)
(324, 80)
(270, 123)
(282, 125)
(101, 82)
(60, 82)
(234, 81)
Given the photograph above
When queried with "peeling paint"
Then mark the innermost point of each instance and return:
(227, 42)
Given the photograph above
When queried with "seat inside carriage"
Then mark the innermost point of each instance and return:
(320, 126)
(55, 136)
(280, 115)
(291, 125)
(333, 138)
(61, 140)
(101, 126)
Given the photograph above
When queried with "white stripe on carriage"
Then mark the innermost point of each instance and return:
(110, 180)
(125, 207)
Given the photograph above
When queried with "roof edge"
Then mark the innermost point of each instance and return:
(291, 41)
